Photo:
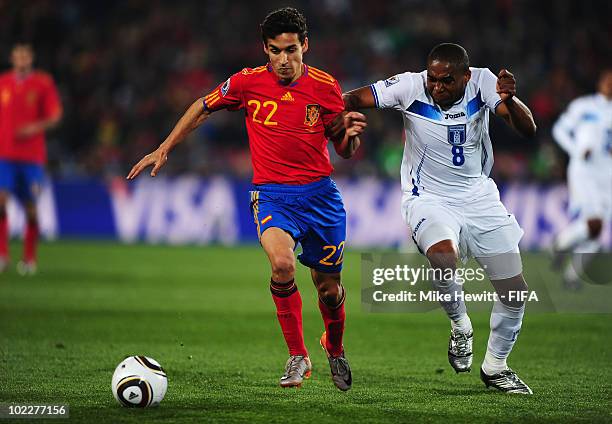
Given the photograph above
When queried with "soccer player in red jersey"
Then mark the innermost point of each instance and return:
(29, 105)
(290, 110)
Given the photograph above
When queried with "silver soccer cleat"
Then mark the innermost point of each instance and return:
(339, 366)
(506, 381)
(297, 368)
(460, 354)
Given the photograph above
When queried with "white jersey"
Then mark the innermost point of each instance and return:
(447, 152)
(585, 126)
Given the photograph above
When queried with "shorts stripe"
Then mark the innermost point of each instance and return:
(255, 200)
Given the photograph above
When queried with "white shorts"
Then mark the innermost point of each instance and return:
(481, 227)
(590, 196)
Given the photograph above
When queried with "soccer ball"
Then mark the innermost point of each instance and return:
(139, 382)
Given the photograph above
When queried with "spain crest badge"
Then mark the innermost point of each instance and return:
(312, 114)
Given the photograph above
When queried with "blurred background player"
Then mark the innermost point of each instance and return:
(584, 131)
(29, 106)
(452, 207)
(289, 107)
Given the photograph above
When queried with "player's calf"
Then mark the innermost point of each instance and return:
(331, 304)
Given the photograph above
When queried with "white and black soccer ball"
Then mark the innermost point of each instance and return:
(139, 382)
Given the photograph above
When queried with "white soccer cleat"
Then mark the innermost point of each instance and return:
(460, 354)
(26, 268)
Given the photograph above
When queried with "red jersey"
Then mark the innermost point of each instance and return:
(22, 102)
(285, 123)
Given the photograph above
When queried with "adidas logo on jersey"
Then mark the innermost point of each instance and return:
(287, 97)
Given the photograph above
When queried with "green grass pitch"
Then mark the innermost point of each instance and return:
(206, 314)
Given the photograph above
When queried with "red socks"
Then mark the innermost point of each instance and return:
(333, 317)
(30, 241)
(289, 312)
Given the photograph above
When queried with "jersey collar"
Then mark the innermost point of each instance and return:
(294, 83)
(19, 79)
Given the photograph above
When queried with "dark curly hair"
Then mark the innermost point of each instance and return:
(285, 20)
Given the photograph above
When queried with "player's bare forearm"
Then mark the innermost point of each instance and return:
(518, 116)
(346, 129)
(514, 112)
(191, 119)
(360, 98)
(52, 121)
(347, 147)
(37, 127)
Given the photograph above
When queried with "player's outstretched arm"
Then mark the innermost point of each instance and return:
(360, 98)
(511, 109)
(38, 127)
(344, 132)
(563, 129)
(193, 118)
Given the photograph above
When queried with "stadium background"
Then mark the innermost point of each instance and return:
(126, 71)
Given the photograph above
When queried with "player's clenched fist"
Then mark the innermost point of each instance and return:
(354, 123)
(157, 158)
(506, 85)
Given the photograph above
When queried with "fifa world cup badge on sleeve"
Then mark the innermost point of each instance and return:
(225, 87)
(392, 80)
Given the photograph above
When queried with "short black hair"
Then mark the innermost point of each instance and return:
(22, 42)
(285, 20)
(451, 53)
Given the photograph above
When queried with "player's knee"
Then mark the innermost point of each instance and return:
(443, 255)
(330, 294)
(283, 268)
(3, 202)
(32, 216)
(509, 291)
(595, 226)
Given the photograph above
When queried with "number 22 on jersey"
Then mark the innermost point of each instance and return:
(268, 107)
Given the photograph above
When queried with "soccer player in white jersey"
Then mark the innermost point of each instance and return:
(452, 207)
(584, 131)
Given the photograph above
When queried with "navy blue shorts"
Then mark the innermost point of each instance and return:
(313, 214)
(23, 179)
